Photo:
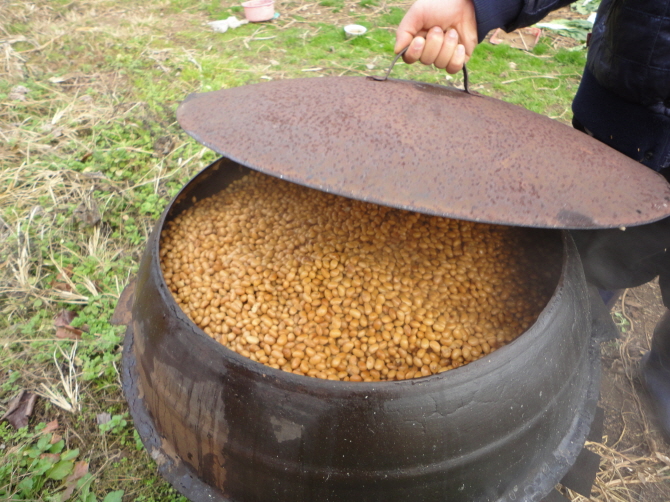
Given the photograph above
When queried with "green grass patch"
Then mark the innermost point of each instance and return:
(393, 16)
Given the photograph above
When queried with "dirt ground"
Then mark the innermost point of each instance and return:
(635, 464)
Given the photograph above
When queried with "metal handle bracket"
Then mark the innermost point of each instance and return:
(401, 53)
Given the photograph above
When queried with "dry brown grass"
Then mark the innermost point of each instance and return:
(635, 459)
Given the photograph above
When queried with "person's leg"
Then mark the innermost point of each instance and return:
(618, 259)
(655, 366)
(615, 259)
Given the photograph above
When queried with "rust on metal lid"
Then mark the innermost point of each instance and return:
(427, 148)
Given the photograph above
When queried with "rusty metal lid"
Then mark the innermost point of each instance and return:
(427, 148)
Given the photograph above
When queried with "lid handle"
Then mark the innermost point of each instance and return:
(401, 53)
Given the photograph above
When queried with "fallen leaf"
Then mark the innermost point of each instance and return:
(68, 332)
(64, 318)
(55, 457)
(55, 438)
(20, 408)
(61, 281)
(63, 328)
(50, 427)
(80, 470)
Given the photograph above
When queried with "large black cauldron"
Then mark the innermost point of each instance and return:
(221, 427)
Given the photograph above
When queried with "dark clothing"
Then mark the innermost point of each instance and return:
(632, 129)
(629, 52)
(624, 97)
(615, 259)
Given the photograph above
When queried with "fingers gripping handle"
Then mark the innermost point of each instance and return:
(401, 53)
(395, 60)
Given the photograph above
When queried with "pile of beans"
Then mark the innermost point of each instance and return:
(329, 287)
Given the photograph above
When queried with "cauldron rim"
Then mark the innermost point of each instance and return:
(454, 376)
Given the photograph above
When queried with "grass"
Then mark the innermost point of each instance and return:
(91, 133)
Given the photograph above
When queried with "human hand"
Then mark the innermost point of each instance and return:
(438, 32)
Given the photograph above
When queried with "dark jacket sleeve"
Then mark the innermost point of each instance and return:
(512, 14)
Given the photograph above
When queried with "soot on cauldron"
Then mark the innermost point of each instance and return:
(226, 428)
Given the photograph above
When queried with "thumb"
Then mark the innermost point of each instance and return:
(410, 26)
(402, 40)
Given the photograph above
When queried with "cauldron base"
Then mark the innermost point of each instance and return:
(579, 478)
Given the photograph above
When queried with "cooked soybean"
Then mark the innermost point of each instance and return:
(330, 287)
